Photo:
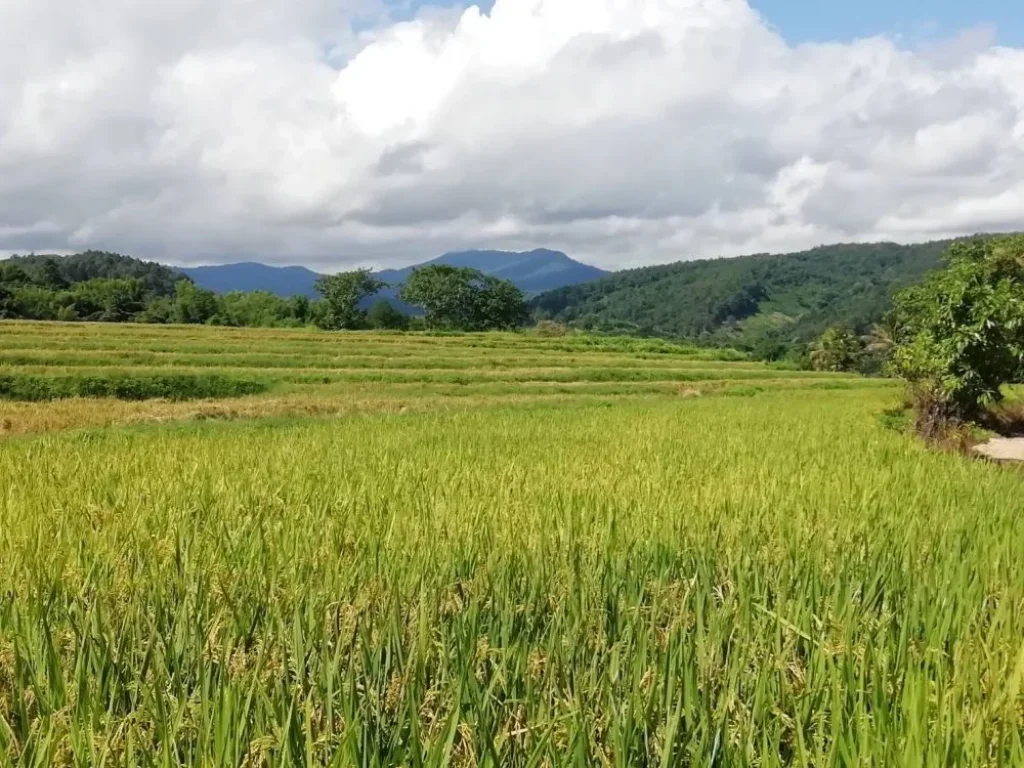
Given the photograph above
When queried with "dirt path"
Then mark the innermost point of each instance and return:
(1003, 449)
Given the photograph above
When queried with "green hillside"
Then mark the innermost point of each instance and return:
(763, 303)
(60, 271)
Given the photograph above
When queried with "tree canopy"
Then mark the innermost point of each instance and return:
(59, 272)
(111, 288)
(342, 294)
(462, 298)
(959, 336)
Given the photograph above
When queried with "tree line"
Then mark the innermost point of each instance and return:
(102, 287)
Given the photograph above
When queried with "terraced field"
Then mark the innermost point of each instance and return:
(488, 550)
(288, 372)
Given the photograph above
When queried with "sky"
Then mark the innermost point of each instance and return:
(801, 21)
(913, 21)
(342, 133)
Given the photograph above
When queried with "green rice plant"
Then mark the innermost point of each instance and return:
(104, 358)
(573, 550)
(126, 386)
(765, 581)
(167, 338)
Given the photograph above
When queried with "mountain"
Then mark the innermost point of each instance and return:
(252, 276)
(765, 303)
(535, 271)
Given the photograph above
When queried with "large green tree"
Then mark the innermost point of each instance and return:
(342, 294)
(500, 304)
(959, 337)
(446, 295)
(462, 298)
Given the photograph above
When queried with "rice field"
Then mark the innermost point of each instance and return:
(492, 550)
(292, 373)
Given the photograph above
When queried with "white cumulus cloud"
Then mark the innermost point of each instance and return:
(622, 131)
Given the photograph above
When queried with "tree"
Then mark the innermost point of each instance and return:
(879, 344)
(33, 303)
(159, 309)
(7, 309)
(114, 301)
(837, 350)
(298, 308)
(192, 304)
(462, 298)
(445, 293)
(383, 315)
(500, 304)
(253, 309)
(959, 337)
(50, 276)
(342, 293)
(13, 274)
(880, 340)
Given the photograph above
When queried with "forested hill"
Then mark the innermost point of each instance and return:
(57, 271)
(756, 302)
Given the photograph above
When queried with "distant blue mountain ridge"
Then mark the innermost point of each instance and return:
(533, 272)
(252, 276)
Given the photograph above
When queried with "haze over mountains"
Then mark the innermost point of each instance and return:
(532, 271)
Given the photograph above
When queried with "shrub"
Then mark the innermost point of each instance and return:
(550, 328)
